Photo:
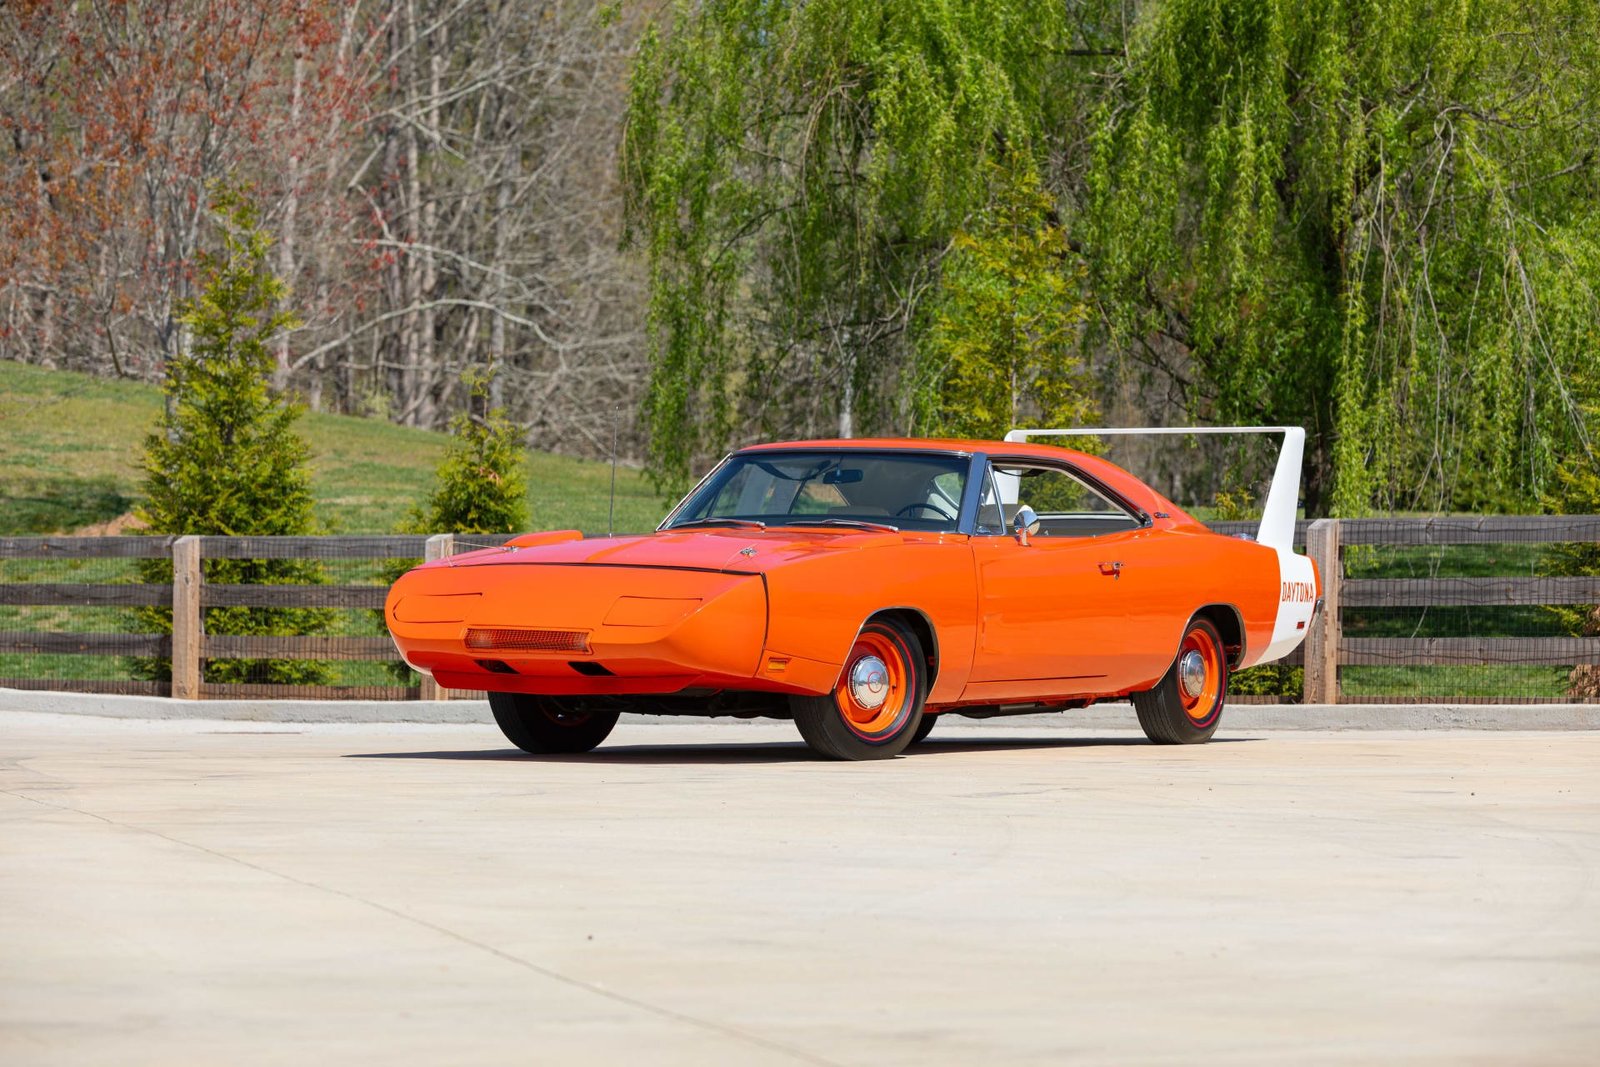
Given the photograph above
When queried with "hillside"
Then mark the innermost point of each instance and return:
(72, 445)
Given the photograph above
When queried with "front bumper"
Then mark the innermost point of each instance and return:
(576, 629)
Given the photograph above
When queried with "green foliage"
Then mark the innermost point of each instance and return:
(1374, 218)
(1235, 505)
(225, 458)
(481, 485)
(1269, 680)
(1002, 350)
(1577, 492)
(795, 172)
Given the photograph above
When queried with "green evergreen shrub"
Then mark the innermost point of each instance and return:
(481, 485)
(224, 458)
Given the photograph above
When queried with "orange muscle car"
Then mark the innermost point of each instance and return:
(862, 588)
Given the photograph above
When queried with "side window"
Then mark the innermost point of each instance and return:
(1066, 506)
(944, 493)
(991, 521)
(1055, 492)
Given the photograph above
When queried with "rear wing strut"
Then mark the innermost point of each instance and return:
(1283, 498)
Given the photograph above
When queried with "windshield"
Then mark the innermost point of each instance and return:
(908, 491)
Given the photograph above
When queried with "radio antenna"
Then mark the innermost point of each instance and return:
(611, 510)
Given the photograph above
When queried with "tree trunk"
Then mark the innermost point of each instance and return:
(291, 211)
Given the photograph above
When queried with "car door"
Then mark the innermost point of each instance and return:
(1054, 613)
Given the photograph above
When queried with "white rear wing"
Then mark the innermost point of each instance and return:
(1283, 498)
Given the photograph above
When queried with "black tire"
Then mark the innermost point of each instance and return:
(545, 725)
(924, 728)
(838, 726)
(1170, 713)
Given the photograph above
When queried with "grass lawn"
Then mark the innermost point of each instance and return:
(1445, 561)
(1523, 682)
(1486, 680)
(73, 445)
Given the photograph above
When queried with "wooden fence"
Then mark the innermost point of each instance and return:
(1326, 649)
(189, 594)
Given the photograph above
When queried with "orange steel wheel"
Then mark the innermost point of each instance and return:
(1201, 674)
(875, 707)
(1184, 707)
(871, 693)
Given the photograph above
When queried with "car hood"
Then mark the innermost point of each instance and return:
(739, 551)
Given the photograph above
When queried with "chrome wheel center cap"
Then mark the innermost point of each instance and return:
(1192, 673)
(869, 681)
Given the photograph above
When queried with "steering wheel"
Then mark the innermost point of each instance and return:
(909, 508)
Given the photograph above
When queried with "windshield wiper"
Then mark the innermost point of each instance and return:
(854, 523)
(744, 524)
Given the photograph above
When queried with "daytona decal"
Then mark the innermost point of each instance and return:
(1299, 592)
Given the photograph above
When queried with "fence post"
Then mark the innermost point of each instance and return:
(187, 621)
(438, 547)
(1322, 643)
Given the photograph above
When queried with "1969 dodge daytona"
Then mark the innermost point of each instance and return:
(864, 587)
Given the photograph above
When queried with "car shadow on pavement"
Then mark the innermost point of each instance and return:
(951, 746)
(761, 752)
(732, 752)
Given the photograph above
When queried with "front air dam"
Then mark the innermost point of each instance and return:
(646, 629)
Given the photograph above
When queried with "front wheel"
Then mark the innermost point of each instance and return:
(876, 707)
(545, 725)
(1186, 705)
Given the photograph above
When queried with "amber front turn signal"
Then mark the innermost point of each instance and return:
(528, 640)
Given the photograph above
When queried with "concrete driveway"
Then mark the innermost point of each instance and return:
(223, 892)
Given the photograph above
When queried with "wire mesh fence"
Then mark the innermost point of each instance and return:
(1503, 610)
(1494, 610)
(67, 610)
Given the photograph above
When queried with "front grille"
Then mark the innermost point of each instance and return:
(528, 640)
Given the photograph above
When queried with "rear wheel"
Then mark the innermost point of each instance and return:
(876, 707)
(1186, 705)
(543, 725)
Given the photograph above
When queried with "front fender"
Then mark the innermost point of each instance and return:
(817, 606)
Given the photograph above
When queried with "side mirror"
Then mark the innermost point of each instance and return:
(1025, 522)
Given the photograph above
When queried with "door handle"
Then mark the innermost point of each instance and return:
(1112, 570)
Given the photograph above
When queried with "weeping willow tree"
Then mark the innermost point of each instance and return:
(796, 172)
(1376, 218)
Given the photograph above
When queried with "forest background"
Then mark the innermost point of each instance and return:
(733, 219)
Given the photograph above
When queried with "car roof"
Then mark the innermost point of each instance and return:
(920, 444)
(1114, 477)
